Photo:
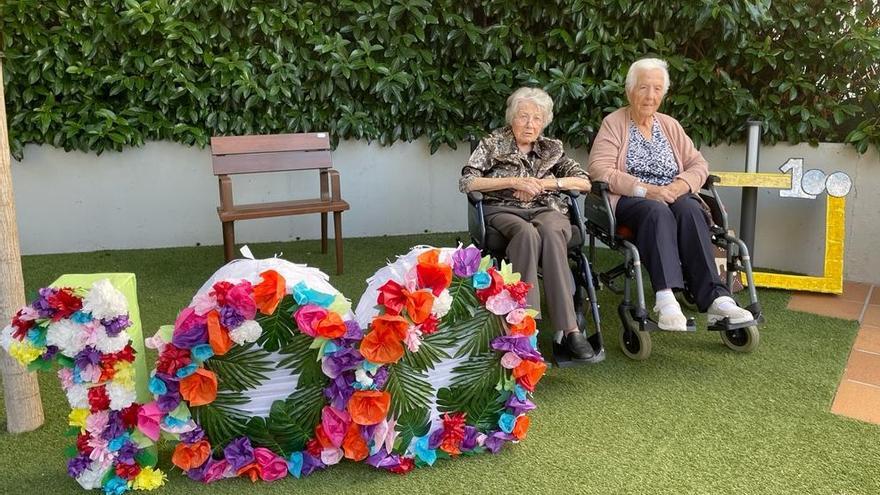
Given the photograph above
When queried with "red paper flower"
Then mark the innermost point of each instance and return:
(391, 296)
(429, 326)
(518, 291)
(314, 448)
(219, 291)
(495, 287)
(127, 471)
(98, 399)
(453, 433)
(172, 359)
(82, 443)
(65, 303)
(127, 354)
(129, 415)
(406, 465)
(21, 326)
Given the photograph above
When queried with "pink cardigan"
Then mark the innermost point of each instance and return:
(608, 155)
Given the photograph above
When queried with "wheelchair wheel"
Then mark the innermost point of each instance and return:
(741, 339)
(635, 344)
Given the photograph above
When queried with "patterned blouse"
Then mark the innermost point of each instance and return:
(651, 161)
(498, 156)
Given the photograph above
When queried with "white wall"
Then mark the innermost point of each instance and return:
(164, 194)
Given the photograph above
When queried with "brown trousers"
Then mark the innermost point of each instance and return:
(539, 236)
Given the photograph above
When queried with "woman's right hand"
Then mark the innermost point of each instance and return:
(526, 186)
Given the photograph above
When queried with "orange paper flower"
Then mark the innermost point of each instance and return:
(269, 292)
(521, 427)
(369, 407)
(529, 373)
(322, 437)
(188, 457)
(434, 276)
(353, 445)
(430, 257)
(383, 344)
(526, 327)
(418, 305)
(200, 388)
(331, 327)
(252, 471)
(218, 336)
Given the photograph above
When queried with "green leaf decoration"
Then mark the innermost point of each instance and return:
(413, 423)
(279, 328)
(432, 350)
(220, 419)
(280, 432)
(241, 368)
(472, 380)
(301, 359)
(408, 387)
(476, 333)
(464, 301)
(481, 412)
(305, 405)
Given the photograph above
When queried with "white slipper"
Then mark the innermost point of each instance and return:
(725, 307)
(670, 317)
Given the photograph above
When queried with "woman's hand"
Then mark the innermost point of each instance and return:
(667, 194)
(526, 188)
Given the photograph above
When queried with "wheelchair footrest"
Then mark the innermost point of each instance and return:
(563, 359)
(725, 325)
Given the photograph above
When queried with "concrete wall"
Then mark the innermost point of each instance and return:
(164, 194)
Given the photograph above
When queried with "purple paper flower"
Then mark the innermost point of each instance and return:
(115, 426)
(311, 464)
(519, 345)
(341, 360)
(169, 401)
(469, 442)
(384, 460)
(230, 317)
(51, 350)
(495, 441)
(198, 474)
(77, 465)
(380, 377)
(193, 436)
(518, 406)
(353, 331)
(127, 452)
(340, 390)
(191, 337)
(87, 356)
(116, 325)
(435, 439)
(41, 304)
(239, 453)
(465, 262)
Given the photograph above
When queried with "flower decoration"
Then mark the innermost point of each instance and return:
(252, 370)
(450, 358)
(84, 332)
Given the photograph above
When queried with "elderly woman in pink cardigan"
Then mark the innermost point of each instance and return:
(653, 171)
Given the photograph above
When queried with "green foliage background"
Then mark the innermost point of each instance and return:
(105, 74)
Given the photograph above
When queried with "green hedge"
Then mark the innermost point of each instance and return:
(105, 74)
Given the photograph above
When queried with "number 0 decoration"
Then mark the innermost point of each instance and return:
(267, 373)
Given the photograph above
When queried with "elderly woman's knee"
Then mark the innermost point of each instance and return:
(687, 206)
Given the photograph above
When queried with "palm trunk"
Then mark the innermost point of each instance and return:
(24, 411)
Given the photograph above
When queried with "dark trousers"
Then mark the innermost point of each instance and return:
(540, 236)
(675, 245)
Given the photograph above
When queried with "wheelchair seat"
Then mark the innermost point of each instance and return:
(492, 242)
(635, 338)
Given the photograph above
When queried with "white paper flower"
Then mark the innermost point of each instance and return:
(248, 331)
(6, 337)
(104, 301)
(363, 378)
(108, 345)
(67, 336)
(78, 396)
(91, 478)
(120, 396)
(442, 304)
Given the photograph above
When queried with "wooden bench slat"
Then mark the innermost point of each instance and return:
(228, 145)
(253, 163)
(281, 208)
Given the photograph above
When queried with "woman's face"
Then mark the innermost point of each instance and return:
(528, 122)
(646, 96)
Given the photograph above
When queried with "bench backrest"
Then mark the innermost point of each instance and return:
(271, 153)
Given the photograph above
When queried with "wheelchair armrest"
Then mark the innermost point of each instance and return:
(475, 197)
(476, 219)
(711, 180)
(719, 212)
(598, 187)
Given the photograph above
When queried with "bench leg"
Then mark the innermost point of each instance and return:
(337, 228)
(229, 240)
(324, 233)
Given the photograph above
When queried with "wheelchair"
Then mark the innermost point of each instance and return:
(492, 242)
(635, 335)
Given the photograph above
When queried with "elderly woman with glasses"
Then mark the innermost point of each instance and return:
(521, 173)
(653, 171)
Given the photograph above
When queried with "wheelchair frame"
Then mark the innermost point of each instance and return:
(584, 280)
(635, 339)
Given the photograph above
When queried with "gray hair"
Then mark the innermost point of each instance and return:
(632, 75)
(534, 95)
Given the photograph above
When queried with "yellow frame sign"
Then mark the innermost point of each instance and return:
(831, 280)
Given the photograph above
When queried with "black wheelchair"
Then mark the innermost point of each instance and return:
(635, 337)
(492, 242)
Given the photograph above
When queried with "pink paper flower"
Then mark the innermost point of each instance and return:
(202, 304)
(217, 471)
(307, 318)
(241, 297)
(272, 467)
(501, 303)
(510, 360)
(516, 316)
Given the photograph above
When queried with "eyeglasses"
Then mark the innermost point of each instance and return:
(523, 119)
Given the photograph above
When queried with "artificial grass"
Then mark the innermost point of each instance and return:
(693, 418)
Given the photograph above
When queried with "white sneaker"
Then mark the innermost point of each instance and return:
(670, 317)
(725, 307)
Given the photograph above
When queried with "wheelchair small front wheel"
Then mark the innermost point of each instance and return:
(635, 344)
(741, 339)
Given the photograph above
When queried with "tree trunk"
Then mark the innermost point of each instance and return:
(21, 393)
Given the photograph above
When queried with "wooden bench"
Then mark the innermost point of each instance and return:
(277, 153)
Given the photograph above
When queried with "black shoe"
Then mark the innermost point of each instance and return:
(578, 346)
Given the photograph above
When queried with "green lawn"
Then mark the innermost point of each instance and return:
(694, 418)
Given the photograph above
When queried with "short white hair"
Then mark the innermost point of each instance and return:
(534, 95)
(645, 64)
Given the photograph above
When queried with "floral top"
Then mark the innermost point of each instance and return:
(651, 161)
(498, 156)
